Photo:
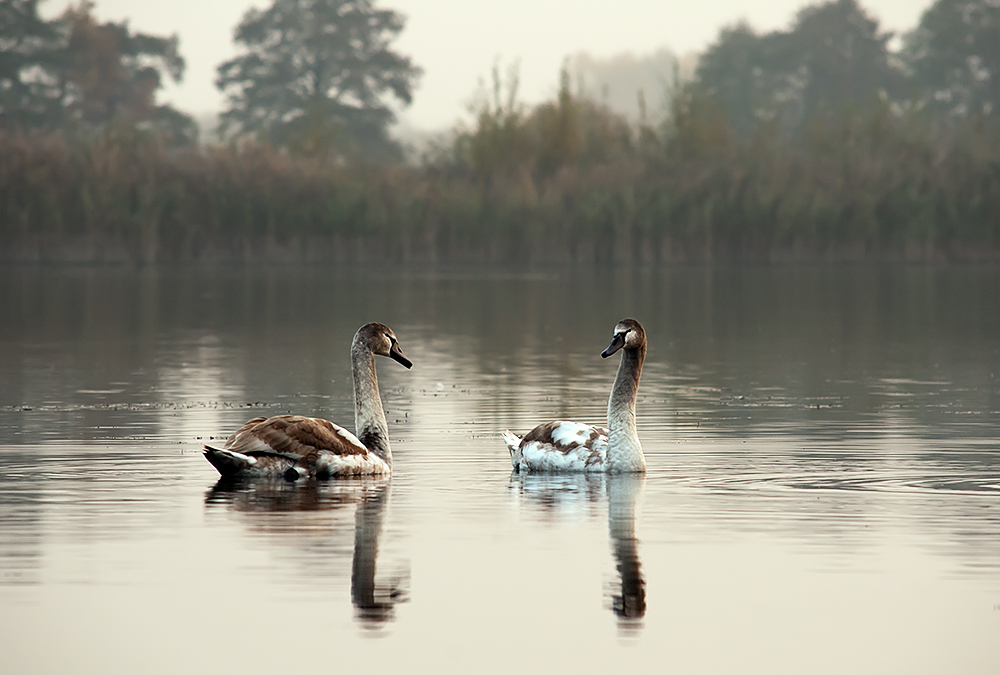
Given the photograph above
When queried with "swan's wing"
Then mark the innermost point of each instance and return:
(243, 430)
(564, 446)
(294, 437)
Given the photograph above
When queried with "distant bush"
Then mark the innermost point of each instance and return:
(568, 181)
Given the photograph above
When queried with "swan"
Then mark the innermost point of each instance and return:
(572, 446)
(294, 446)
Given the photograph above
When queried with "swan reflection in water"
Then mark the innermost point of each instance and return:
(584, 492)
(629, 604)
(313, 513)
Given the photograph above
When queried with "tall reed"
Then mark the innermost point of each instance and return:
(874, 187)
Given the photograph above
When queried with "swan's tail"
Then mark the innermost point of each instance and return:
(513, 443)
(227, 462)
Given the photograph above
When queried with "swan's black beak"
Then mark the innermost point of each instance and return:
(617, 342)
(396, 355)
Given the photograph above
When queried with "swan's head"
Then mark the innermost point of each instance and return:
(628, 335)
(380, 339)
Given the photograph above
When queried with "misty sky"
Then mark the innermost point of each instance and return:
(458, 41)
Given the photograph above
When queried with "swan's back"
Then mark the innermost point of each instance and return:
(303, 445)
(559, 446)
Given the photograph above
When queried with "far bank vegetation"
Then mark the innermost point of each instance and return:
(813, 143)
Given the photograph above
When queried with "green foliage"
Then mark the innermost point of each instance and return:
(795, 145)
(499, 145)
(514, 146)
(85, 76)
(843, 56)
(737, 75)
(876, 186)
(314, 77)
(699, 124)
(128, 197)
(29, 56)
(833, 61)
(559, 129)
(954, 56)
(111, 76)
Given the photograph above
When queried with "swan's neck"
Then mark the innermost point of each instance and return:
(624, 449)
(369, 417)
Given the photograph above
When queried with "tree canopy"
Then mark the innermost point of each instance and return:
(954, 56)
(833, 61)
(29, 60)
(738, 72)
(315, 76)
(841, 57)
(112, 74)
(75, 72)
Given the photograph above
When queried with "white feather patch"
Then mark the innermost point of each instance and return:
(350, 438)
(576, 448)
(572, 433)
(350, 465)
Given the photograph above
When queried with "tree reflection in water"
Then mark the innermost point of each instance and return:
(584, 492)
(296, 513)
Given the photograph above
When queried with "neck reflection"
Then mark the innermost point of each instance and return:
(628, 600)
(374, 602)
(308, 516)
(558, 493)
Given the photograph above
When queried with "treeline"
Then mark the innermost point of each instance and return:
(79, 76)
(813, 143)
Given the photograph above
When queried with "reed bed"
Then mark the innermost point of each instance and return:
(861, 191)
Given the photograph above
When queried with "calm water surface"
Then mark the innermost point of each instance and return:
(823, 492)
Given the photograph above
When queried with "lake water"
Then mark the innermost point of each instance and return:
(823, 492)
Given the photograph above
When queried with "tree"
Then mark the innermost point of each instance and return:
(315, 76)
(499, 144)
(111, 75)
(954, 55)
(560, 138)
(842, 58)
(834, 61)
(29, 48)
(75, 72)
(738, 73)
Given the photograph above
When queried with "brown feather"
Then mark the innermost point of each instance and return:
(544, 433)
(246, 427)
(294, 436)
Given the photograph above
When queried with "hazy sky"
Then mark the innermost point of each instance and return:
(458, 41)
